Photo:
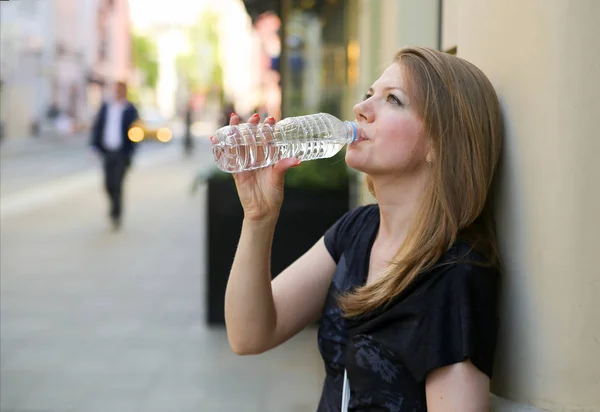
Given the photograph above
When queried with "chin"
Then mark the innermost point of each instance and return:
(354, 161)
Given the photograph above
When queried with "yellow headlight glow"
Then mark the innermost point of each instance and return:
(135, 134)
(164, 135)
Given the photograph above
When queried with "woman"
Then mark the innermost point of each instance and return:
(405, 289)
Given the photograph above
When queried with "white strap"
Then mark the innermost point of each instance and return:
(345, 393)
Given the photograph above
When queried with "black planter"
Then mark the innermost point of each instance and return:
(305, 216)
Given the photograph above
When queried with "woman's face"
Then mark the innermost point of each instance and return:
(392, 140)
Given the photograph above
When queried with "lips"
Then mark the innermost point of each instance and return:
(361, 136)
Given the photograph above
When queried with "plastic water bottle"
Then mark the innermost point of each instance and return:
(247, 147)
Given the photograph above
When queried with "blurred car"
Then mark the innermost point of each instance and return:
(151, 126)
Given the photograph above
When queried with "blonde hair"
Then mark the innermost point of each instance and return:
(461, 115)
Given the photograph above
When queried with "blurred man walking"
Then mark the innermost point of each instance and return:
(109, 138)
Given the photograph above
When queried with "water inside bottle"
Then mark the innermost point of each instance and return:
(248, 146)
(239, 157)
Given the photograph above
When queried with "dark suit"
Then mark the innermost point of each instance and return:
(116, 162)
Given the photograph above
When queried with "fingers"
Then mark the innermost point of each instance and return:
(216, 153)
(268, 129)
(255, 119)
(280, 168)
(285, 164)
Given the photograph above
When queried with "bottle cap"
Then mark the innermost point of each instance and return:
(354, 130)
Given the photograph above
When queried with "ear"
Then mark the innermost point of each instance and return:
(430, 156)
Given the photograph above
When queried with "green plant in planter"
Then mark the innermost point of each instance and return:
(205, 174)
(331, 173)
(328, 173)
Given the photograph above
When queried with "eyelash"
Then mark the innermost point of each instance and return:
(394, 99)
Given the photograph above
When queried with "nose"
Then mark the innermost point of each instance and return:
(363, 111)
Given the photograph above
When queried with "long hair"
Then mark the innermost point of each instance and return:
(461, 115)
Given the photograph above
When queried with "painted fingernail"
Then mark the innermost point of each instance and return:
(255, 115)
(232, 114)
(270, 118)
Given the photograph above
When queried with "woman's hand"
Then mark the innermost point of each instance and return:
(261, 190)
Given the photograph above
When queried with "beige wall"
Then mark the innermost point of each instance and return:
(544, 60)
(415, 22)
(449, 23)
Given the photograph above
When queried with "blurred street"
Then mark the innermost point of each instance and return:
(100, 321)
(26, 163)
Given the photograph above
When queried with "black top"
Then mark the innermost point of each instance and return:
(447, 315)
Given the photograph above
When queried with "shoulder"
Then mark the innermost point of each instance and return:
(359, 216)
(448, 315)
(348, 226)
(460, 312)
(462, 280)
(463, 266)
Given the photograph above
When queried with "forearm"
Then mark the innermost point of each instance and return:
(249, 306)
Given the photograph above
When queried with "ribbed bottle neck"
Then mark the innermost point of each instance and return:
(351, 131)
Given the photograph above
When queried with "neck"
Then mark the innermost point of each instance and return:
(399, 199)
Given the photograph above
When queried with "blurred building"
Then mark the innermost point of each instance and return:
(307, 61)
(543, 60)
(107, 48)
(204, 34)
(24, 71)
(59, 55)
(165, 25)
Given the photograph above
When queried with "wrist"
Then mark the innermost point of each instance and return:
(260, 222)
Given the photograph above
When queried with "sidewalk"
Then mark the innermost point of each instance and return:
(96, 321)
(18, 146)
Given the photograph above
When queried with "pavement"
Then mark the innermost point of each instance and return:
(23, 146)
(97, 321)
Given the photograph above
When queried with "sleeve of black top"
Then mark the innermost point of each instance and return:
(461, 322)
(340, 232)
